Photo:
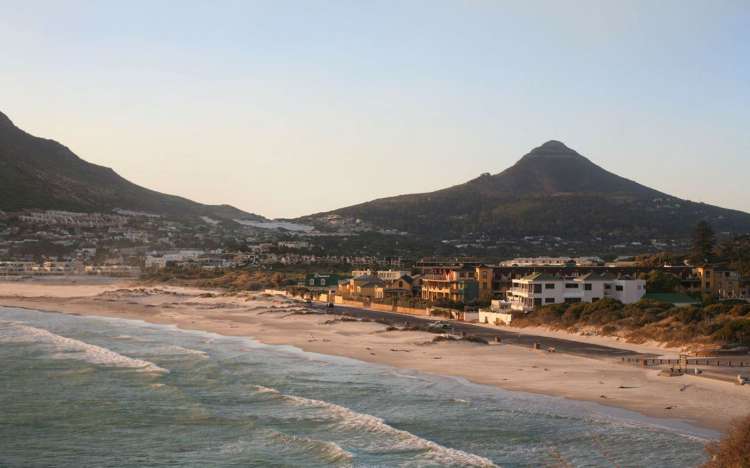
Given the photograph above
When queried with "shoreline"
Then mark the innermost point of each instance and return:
(684, 428)
(273, 321)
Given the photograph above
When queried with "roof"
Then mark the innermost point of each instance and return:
(368, 279)
(672, 298)
(405, 278)
(541, 277)
(598, 276)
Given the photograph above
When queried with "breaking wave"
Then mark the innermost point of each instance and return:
(70, 347)
(328, 451)
(350, 419)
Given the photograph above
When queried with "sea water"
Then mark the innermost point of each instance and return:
(96, 392)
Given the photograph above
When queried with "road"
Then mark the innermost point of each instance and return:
(508, 337)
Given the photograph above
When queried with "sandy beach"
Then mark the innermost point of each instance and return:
(278, 320)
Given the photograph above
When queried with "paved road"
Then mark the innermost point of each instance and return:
(509, 337)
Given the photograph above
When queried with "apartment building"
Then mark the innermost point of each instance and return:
(540, 289)
(723, 282)
(450, 283)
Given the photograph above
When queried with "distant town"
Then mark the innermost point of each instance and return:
(135, 244)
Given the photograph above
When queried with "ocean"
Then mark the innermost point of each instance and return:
(98, 392)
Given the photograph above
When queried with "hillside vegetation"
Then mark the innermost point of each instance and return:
(732, 451)
(552, 190)
(713, 325)
(36, 173)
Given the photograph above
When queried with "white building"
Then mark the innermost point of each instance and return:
(294, 244)
(161, 261)
(499, 313)
(385, 275)
(16, 268)
(552, 261)
(540, 289)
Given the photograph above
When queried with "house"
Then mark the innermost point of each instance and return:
(722, 282)
(485, 277)
(403, 286)
(540, 289)
(323, 281)
(454, 284)
(385, 275)
(364, 286)
(370, 290)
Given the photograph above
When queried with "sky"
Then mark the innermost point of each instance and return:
(287, 108)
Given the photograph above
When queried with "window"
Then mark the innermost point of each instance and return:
(607, 286)
(537, 288)
(572, 300)
(594, 299)
(571, 285)
(538, 301)
(618, 287)
(549, 300)
(549, 286)
(587, 286)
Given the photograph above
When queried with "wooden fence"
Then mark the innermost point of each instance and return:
(695, 362)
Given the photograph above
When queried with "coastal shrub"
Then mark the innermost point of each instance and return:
(475, 339)
(735, 331)
(440, 338)
(740, 310)
(733, 451)
(718, 323)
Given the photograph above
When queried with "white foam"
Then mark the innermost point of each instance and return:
(329, 451)
(367, 423)
(70, 347)
(175, 349)
(262, 389)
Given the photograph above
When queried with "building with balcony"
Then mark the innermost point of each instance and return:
(451, 284)
(539, 289)
(723, 282)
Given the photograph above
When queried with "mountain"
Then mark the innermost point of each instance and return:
(553, 191)
(43, 174)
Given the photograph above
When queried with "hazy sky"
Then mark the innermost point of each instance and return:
(287, 108)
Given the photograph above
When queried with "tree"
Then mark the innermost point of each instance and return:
(659, 281)
(737, 252)
(703, 243)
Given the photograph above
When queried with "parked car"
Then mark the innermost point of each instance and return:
(440, 325)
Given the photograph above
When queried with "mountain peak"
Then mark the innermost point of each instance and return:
(554, 145)
(553, 149)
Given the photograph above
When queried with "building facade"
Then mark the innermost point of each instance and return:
(541, 289)
(722, 282)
